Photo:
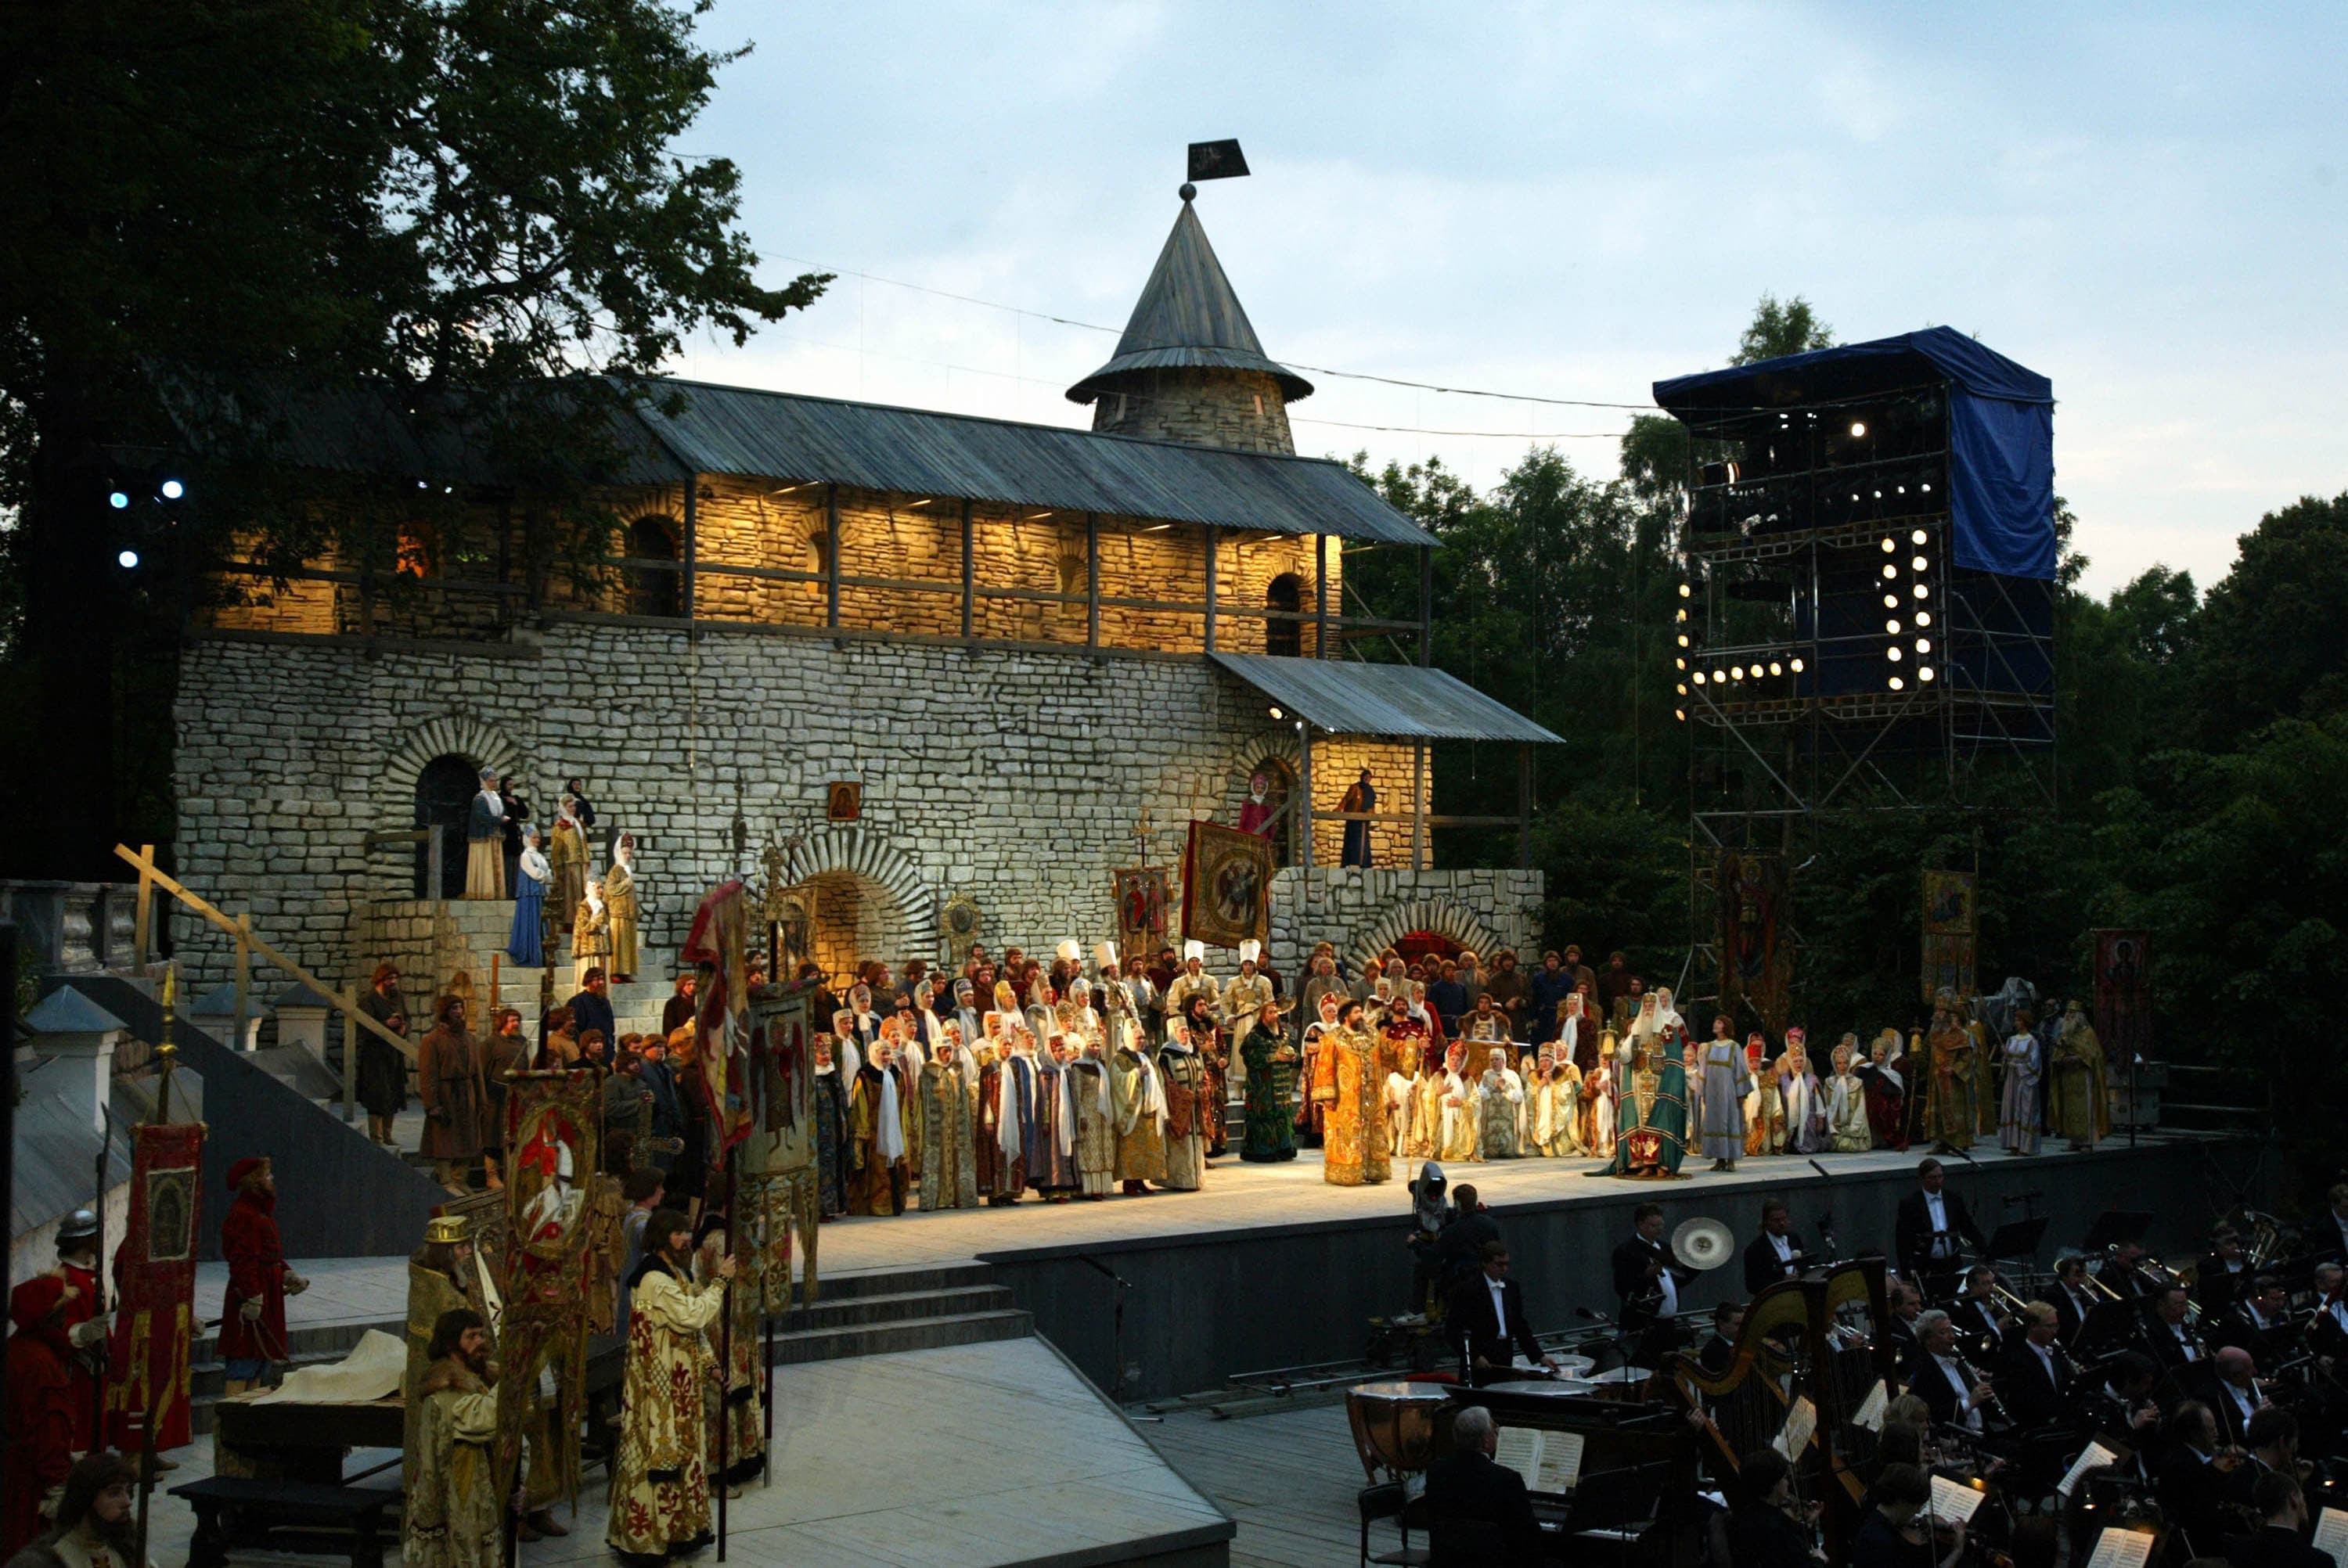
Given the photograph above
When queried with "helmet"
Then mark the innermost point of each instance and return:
(78, 1226)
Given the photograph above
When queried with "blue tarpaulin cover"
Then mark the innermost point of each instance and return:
(2000, 429)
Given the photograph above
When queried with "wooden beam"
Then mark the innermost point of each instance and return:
(350, 1068)
(1214, 539)
(1305, 785)
(243, 978)
(1092, 583)
(1418, 805)
(969, 570)
(692, 539)
(1319, 596)
(347, 1003)
(832, 556)
(140, 933)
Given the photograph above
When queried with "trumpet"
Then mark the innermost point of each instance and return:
(2006, 1298)
(2098, 1286)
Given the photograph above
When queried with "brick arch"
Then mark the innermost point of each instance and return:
(1279, 743)
(1444, 916)
(870, 857)
(459, 734)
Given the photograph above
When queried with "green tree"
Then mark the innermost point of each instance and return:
(222, 214)
(1657, 452)
(2272, 639)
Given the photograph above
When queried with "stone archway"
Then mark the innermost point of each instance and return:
(1443, 916)
(424, 754)
(865, 898)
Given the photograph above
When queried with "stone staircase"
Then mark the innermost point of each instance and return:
(878, 1314)
(486, 923)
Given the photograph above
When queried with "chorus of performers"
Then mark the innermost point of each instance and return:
(2200, 1406)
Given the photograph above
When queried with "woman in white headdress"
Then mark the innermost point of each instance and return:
(526, 942)
(1502, 1096)
(1138, 1101)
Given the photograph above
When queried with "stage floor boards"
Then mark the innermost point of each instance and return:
(1289, 1479)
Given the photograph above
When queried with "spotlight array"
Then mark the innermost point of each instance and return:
(1918, 578)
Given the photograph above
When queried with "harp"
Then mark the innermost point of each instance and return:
(1815, 1340)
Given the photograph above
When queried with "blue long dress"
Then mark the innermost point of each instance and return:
(527, 945)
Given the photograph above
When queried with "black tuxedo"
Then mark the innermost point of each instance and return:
(1762, 1267)
(1631, 1280)
(1932, 1384)
(2217, 1287)
(2031, 1395)
(2233, 1421)
(2269, 1344)
(1977, 1330)
(1719, 1354)
(1478, 1512)
(2166, 1351)
(1904, 1349)
(1912, 1232)
(2275, 1547)
(1475, 1331)
(2070, 1313)
(2192, 1495)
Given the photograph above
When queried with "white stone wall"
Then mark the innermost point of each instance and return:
(1362, 911)
(1016, 777)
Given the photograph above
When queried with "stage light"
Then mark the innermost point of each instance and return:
(1878, 494)
(1924, 672)
(1685, 591)
(1681, 688)
(1738, 671)
(1681, 714)
(1923, 645)
(173, 489)
(1892, 654)
(1898, 685)
(1798, 666)
(1775, 668)
(117, 500)
(1682, 614)
(1926, 488)
(1278, 714)
(1889, 544)
(1923, 591)
(1917, 538)
(1678, 663)
(1719, 677)
(1891, 570)
(1699, 677)
(1917, 563)
(1858, 427)
(1892, 627)
(1923, 618)
(1684, 642)
(1890, 601)
(128, 560)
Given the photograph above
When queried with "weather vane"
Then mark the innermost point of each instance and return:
(1213, 160)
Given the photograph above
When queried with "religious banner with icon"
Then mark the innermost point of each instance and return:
(2124, 994)
(554, 1149)
(155, 1280)
(1950, 926)
(1143, 896)
(1756, 946)
(1226, 887)
(719, 943)
(777, 1204)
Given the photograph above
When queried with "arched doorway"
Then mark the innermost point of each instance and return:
(852, 918)
(654, 590)
(1416, 944)
(1279, 775)
(1285, 593)
(445, 789)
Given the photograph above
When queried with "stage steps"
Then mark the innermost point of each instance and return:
(886, 1312)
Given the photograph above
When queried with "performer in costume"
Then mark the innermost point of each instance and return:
(1088, 1088)
(1189, 1102)
(1355, 1130)
(1319, 1074)
(40, 1406)
(1797, 1092)
(949, 1126)
(660, 1479)
(621, 893)
(456, 1097)
(1954, 1113)
(1270, 1134)
(1724, 1079)
(744, 1446)
(382, 1071)
(1205, 1041)
(95, 1527)
(440, 1280)
(1849, 1131)
(1651, 1139)
(451, 1515)
(1501, 1099)
(526, 942)
(485, 842)
(1256, 812)
(1138, 1109)
(832, 1150)
(1885, 1076)
(2019, 1106)
(1765, 1112)
(566, 856)
(1052, 1167)
(1594, 1125)
(2078, 1109)
(590, 931)
(253, 1313)
(876, 1138)
(1458, 1109)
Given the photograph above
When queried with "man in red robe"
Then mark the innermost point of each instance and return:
(85, 1322)
(40, 1399)
(252, 1317)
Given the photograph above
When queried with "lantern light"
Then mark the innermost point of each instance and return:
(117, 500)
(1685, 591)
(1858, 427)
(1892, 627)
(1889, 570)
(1890, 601)
(128, 560)
(1699, 677)
(1889, 544)
(1923, 645)
(173, 489)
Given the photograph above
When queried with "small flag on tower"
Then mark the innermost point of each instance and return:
(1217, 161)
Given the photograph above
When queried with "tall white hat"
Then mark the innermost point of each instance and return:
(1103, 954)
(1070, 952)
(1251, 951)
(1194, 948)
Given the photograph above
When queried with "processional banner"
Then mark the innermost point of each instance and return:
(1757, 949)
(2124, 994)
(719, 943)
(1142, 899)
(155, 1275)
(1949, 925)
(1226, 886)
(777, 1201)
(556, 1235)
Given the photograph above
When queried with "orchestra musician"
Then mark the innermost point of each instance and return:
(1647, 1279)
(2189, 1485)
(2260, 1322)
(1906, 1302)
(1777, 1252)
(2232, 1392)
(2034, 1375)
(1933, 1226)
(2121, 1272)
(2281, 1538)
(2074, 1297)
(1485, 1314)
(2330, 1234)
(2223, 1271)
(1954, 1392)
(1892, 1536)
(1719, 1352)
(1769, 1527)
(1983, 1323)
(2327, 1334)
(2171, 1334)
(2272, 1438)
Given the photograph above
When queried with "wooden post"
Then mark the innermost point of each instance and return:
(969, 572)
(1092, 583)
(1426, 605)
(692, 539)
(1305, 785)
(1319, 596)
(140, 929)
(832, 556)
(350, 1058)
(1524, 808)
(493, 989)
(243, 978)
(1418, 805)
(1214, 540)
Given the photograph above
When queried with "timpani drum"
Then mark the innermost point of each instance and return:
(1394, 1426)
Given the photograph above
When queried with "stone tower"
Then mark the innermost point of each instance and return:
(1189, 367)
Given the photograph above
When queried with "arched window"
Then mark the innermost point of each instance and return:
(1279, 777)
(444, 798)
(654, 590)
(1285, 593)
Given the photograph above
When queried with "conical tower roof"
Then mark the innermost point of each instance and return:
(1188, 315)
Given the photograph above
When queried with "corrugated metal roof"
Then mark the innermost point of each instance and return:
(1187, 314)
(1401, 702)
(921, 452)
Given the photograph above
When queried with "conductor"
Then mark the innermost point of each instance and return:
(1932, 1225)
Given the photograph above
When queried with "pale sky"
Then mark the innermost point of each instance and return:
(2147, 204)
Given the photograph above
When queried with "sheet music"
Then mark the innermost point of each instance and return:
(2090, 1456)
(2331, 1535)
(1801, 1420)
(1560, 1461)
(1871, 1410)
(1519, 1450)
(1954, 1500)
(2117, 1548)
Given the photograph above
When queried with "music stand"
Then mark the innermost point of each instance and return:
(2018, 1239)
(2115, 1228)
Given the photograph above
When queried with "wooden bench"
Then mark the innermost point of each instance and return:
(296, 1515)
